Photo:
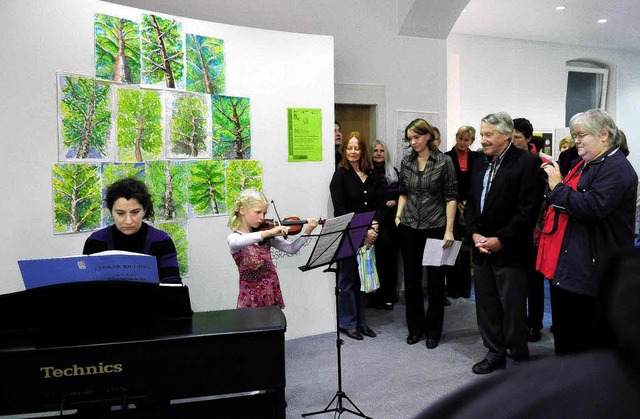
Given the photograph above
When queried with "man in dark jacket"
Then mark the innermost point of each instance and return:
(505, 195)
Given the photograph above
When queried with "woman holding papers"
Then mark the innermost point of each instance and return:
(426, 210)
(130, 203)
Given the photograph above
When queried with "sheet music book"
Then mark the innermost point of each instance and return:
(111, 265)
(435, 255)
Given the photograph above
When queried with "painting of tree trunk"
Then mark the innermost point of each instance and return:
(231, 129)
(188, 126)
(206, 188)
(178, 233)
(139, 125)
(85, 117)
(76, 197)
(162, 53)
(205, 64)
(117, 49)
(240, 175)
(167, 182)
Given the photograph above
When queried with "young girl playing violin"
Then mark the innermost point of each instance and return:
(250, 245)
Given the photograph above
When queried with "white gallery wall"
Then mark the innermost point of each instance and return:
(276, 70)
(529, 79)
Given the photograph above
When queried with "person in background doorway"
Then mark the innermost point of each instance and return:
(565, 143)
(463, 158)
(504, 199)
(337, 134)
(386, 246)
(426, 209)
(129, 203)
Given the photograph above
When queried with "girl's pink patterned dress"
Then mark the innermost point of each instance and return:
(259, 284)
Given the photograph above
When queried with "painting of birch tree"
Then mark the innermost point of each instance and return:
(85, 117)
(231, 129)
(205, 64)
(206, 188)
(240, 175)
(139, 125)
(117, 49)
(188, 126)
(76, 197)
(162, 54)
(178, 233)
(167, 182)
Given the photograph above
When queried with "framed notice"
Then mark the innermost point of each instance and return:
(305, 134)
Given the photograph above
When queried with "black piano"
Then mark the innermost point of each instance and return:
(123, 349)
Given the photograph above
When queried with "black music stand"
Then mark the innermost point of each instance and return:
(342, 240)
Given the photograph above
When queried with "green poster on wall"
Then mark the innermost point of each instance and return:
(305, 134)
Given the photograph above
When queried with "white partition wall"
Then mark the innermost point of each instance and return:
(276, 70)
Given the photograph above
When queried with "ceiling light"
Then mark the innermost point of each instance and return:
(561, 8)
(602, 20)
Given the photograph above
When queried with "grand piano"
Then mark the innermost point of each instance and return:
(124, 349)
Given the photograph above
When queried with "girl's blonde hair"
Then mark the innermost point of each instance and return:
(247, 199)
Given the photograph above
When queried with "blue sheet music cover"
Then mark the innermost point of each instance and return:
(104, 266)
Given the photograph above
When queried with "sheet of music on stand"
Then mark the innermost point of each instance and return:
(435, 255)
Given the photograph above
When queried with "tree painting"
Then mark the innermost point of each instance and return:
(206, 188)
(240, 175)
(76, 197)
(167, 182)
(112, 172)
(162, 52)
(188, 126)
(231, 128)
(205, 64)
(178, 233)
(117, 49)
(85, 113)
(139, 124)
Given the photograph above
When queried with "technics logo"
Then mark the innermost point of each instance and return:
(76, 371)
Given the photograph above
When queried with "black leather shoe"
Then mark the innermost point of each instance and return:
(447, 302)
(485, 366)
(365, 330)
(388, 306)
(534, 335)
(432, 343)
(352, 333)
(413, 339)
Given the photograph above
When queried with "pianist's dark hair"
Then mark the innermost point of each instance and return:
(128, 188)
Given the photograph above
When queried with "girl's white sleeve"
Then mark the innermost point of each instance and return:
(290, 247)
(237, 241)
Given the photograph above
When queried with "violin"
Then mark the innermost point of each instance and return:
(294, 223)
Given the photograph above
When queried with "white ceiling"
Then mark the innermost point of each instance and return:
(538, 20)
(535, 20)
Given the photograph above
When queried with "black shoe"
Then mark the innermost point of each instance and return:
(352, 333)
(432, 343)
(447, 303)
(388, 306)
(365, 330)
(413, 339)
(534, 335)
(485, 366)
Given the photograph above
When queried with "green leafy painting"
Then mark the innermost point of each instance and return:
(162, 52)
(117, 49)
(139, 125)
(231, 128)
(240, 175)
(188, 126)
(178, 233)
(206, 188)
(167, 182)
(76, 197)
(205, 64)
(85, 117)
(112, 172)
